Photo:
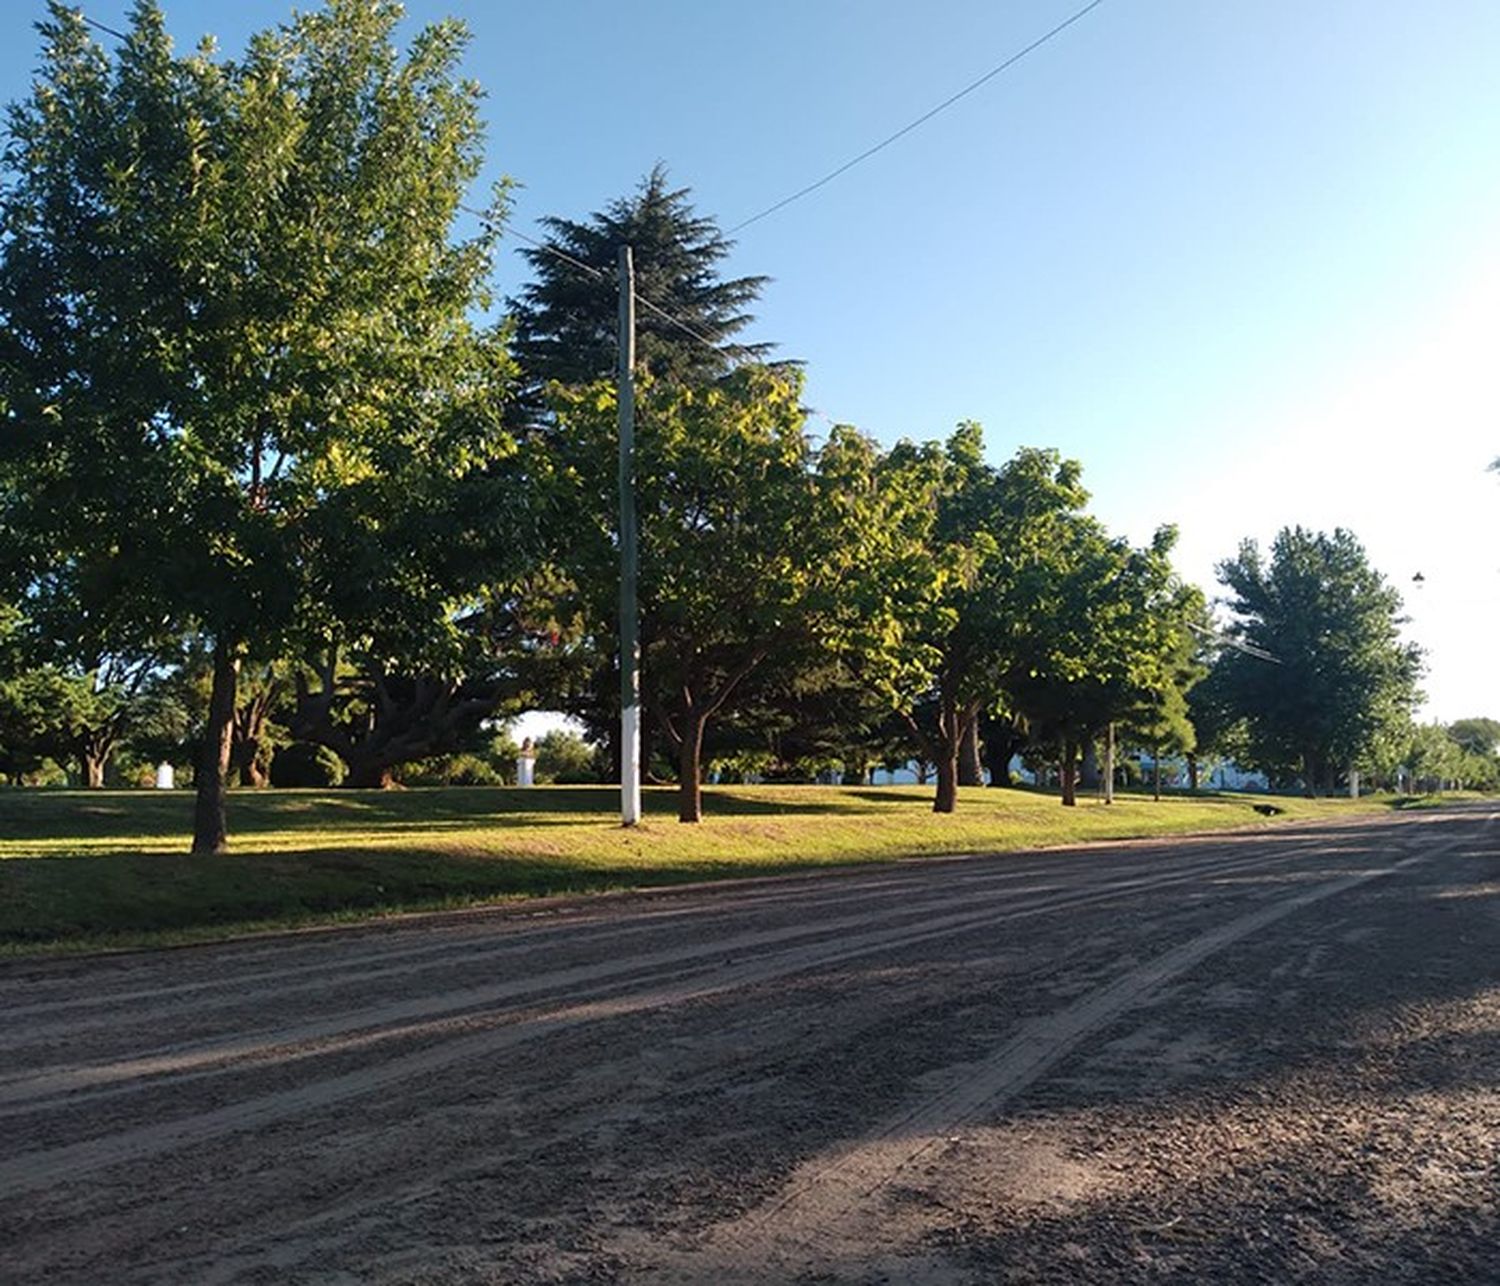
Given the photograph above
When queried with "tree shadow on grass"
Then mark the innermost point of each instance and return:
(85, 815)
(119, 898)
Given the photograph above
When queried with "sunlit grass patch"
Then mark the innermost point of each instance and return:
(84, 869)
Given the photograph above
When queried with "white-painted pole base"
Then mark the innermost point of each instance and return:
(630, 766)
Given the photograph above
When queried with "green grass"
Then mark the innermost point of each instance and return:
(1407, 803)
(88, 870)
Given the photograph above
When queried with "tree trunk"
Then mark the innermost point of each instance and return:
(1309, 777)
(1088, 775)
(1192, 762)
(1069, 775)
(1001, 742)
(946, 799)
(945, 745)
(1156, 772)
(249, 737)
(690, 779)
(970, 769)
(370, 774)
(91, 768)
(210, 831)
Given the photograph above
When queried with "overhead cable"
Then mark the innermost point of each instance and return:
(920, 120)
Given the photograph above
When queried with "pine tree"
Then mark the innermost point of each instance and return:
(566, 320)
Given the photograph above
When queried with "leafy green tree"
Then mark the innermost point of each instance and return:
(429, 625)
(1476, 736)
(566, 319)
(26, 705)
(1002, 736)
(1220, 731)
(1332, 674)
(565, 758)
(229, 297)
(952, 596)
(1106, 639)
(1162, 717)
(1438, 758)
(749, 540)
(1435, 759)
(61, 697)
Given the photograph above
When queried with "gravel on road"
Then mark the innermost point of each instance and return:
(1261, 1057)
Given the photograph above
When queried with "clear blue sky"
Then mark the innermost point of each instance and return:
(1243, 260)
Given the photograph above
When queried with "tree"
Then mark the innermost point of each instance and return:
(1002, 736)
(566, 319)
(749, 540)
(1435, 759)
(565, 758)
(1106, 639)
(62, 697)
(229, 296)
(959, 582)
(376, 719)
(1325, 672)
(1476, 736)
(429, 624)
(1219, 727)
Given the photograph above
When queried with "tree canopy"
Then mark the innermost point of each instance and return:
(1326, 672)
(748, 537)
(230, 303)
(565, 317)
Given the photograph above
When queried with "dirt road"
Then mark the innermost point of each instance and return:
(1258, 1058)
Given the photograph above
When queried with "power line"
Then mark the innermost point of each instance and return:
(647, 303)
(922, 119)
(719, 349)
(1228, 640)
(94, 22)
(539, 244)
(729, 346)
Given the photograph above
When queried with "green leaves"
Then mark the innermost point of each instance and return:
(566, 316)
(1342, 677)
(231, 300)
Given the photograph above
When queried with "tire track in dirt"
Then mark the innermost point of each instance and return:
(363, 1225)
(475, 927)
(39, 1169)
(77, 1080)
(361, 967)
(479, 943)
(795, 1229)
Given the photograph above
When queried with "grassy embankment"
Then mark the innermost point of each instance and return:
(85, 870)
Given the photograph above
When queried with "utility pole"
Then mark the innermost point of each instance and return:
(1109, 764)
(630, 647)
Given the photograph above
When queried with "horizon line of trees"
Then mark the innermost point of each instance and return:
(270, 491)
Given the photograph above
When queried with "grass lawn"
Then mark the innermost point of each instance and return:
(82, 870)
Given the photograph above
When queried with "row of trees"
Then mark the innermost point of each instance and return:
(264, 477)
(1464, 755)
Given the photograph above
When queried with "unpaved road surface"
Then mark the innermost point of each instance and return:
(1264, 1057)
